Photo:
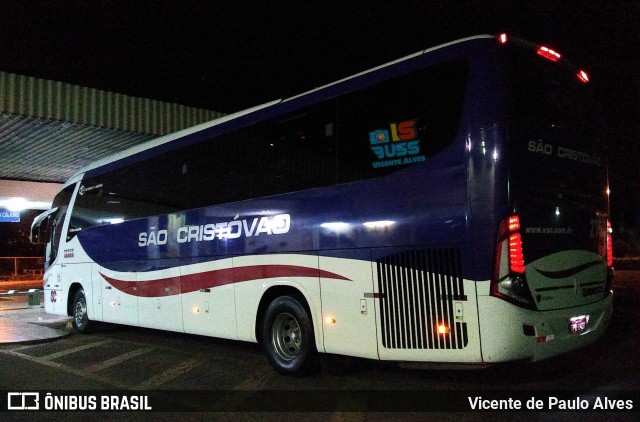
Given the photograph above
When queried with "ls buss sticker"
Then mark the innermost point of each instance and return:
(397, 145)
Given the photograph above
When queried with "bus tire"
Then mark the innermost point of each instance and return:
(287, 336)
(80, 318)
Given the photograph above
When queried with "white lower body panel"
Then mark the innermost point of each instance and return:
(512, 333)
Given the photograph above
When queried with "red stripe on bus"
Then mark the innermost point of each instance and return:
(192, 282)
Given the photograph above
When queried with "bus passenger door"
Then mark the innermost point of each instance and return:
(53, 291)
(348, 307)
(47, 229)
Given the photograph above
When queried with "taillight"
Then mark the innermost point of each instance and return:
(610, 272)
(516, 257)
(513, 223)
(509, 236)
(509, 281)
(609, 245)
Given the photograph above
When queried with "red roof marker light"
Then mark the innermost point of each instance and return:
(548, 53)
(583, 76)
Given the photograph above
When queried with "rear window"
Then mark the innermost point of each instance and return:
(547, 91)
(557, 166)
(553, 138)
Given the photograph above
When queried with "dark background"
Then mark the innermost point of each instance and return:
(229, 55)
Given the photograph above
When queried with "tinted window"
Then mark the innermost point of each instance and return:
(99, 201)
(296, 151)
(399, 122)
(214, 171)
(552, 135)
(547, 92)
(365, 134)
(557, 172)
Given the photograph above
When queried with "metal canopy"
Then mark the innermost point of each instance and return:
(49, 130)
(36, 149)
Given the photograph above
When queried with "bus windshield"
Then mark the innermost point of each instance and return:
(553, 121)
(558, 171)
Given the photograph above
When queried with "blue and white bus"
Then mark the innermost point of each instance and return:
(450, 206)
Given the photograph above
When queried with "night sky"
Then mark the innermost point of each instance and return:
(229, 55)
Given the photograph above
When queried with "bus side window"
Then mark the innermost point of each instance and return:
(296, 151)
(402, 121)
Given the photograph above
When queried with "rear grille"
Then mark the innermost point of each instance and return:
(417, 290)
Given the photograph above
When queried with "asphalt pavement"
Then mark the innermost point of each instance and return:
(21, 323)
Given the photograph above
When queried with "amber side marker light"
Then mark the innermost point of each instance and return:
(329, 320)
(443, 329)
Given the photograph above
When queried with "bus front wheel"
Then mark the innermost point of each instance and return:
(287, 336)
(79, 312)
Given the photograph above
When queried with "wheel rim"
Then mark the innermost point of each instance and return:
(286, 336)
(80, 313)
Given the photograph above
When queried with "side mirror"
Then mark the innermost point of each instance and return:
(40, 227)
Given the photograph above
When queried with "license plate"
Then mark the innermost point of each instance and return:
(578, 324)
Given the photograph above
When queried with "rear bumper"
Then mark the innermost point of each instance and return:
(513, 333)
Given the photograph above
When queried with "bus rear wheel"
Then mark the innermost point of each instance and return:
(79, 312)
(287, 336)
